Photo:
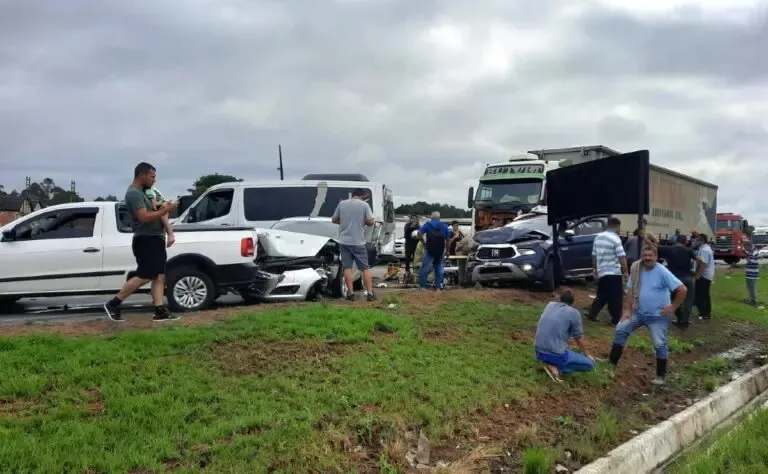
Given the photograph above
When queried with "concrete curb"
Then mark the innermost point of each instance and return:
(650, 449)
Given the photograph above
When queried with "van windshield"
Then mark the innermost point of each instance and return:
(276, 203)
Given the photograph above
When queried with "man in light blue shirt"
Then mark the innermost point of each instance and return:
(558, 324)
(704, 277)
(648, 304)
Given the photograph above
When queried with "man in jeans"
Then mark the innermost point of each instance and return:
(353, 215)
(752, 271)
(609, 264)
(704, 276)
(435, 236)
(558, 324)
(149, 243)
(681, 260)
(648, 304)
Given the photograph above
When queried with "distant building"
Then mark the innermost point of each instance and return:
(13, 207)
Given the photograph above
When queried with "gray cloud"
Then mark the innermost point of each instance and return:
(417, 94)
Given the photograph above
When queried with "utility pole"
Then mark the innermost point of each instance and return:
(280, 156)
(27, 183)
(72, 191)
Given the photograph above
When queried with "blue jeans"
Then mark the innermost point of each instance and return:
(427, 263)
(569, 362)
(657, 326)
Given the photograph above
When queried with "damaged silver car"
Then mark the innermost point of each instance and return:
(305, 250)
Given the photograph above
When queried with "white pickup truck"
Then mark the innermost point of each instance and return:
(84, 248)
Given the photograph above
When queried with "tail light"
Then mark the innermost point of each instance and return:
(247, 247)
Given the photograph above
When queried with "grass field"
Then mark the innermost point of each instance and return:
(743, 449)
(340, 388)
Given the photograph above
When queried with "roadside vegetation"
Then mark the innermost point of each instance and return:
(742, 449)
(344, 388)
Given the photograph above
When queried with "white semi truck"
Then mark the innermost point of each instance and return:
(515, 187)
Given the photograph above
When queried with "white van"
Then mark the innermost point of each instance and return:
(260, 204)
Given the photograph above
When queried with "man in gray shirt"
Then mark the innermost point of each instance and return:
(558, 324)
(353, 215)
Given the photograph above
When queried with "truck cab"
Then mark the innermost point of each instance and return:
(731, 230)
(507, 190)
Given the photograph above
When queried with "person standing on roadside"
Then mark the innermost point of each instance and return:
(609, 265)
(752, 271)
(410, 242)
(435, 236)
(648, 304)
(456, 236)
(557, 325)
(149, 244)
(704, 276)
(681, 261)
(353, 215)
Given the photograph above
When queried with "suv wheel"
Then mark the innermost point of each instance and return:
(189, 289)
(549, 276)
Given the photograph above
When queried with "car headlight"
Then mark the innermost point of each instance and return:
(524, 252)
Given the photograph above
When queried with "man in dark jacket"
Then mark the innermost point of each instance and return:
(410, 241)
(681, 261)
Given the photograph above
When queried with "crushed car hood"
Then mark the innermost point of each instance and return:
(283, 243)
(508, 235)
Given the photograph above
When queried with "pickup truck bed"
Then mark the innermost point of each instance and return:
(85, 249)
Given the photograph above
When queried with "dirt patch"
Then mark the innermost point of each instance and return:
(19, 408)
(95, 403)
(254, 358)
(133, 321)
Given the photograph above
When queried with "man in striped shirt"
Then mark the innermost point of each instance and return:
(609, 265)
(752, 271)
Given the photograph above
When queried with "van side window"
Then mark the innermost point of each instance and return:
(213, 205)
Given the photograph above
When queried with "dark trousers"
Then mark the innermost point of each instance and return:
(703, 300)
(610, 291)
(409, 251)
(683, 313)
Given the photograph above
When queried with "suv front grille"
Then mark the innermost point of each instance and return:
(495, 253)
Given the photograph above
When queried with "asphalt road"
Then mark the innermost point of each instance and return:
(89, 308)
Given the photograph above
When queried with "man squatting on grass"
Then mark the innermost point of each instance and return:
(648, 304)
(558, 323)
(353, 215)
(148, 244)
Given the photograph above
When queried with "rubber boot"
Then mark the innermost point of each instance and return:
(661, 368)
(616, 352)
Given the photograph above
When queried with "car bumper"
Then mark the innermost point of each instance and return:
(504, 271)
(247, 276)
(295, 285)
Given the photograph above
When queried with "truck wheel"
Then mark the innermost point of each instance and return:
(189, 289)
(731, 260)
(8, 301)
(549, 276)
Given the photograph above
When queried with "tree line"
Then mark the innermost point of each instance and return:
(48, 193)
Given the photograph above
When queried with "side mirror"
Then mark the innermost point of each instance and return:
(569, 234)
(470, 197)
(9, 235)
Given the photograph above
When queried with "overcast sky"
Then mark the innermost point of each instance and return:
(416, 94)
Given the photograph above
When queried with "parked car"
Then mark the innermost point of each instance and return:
(523, 251)
(305, 251)
(763, 252)
(84, 248)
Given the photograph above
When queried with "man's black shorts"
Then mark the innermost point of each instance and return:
(149, 251)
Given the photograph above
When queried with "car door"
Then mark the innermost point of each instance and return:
(580, 244)
(118, 257)
(58, 251)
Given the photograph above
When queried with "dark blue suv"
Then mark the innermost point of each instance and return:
(523, 251)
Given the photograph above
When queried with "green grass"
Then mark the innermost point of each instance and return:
(290, 390)
(729, 291)
(191, 397)
(742, 450)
